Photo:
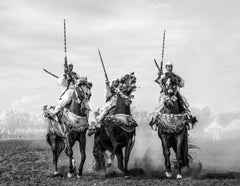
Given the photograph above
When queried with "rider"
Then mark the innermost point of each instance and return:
(162, 80)
(111, 99)
(67, 81)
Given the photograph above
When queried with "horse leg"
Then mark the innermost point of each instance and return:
(119, 155)
(82, 147)
(52, 140)
(128, 150)
(179, 139)
(98, 154)
(69, 152)
(166, 154)
(114, 145)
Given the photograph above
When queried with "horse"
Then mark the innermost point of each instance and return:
(172, 122)
(117, 131)
(71, 126)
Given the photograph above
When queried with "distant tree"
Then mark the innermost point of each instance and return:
(21, 120)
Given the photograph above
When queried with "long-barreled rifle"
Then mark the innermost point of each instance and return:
(105, 73)
(65, 49)
(161, 64)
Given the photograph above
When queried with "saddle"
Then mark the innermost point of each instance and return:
(170, 123)
(124, 121)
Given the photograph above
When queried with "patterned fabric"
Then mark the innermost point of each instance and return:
(74, 122)
(68, 121)
(170, 123)
(126, 122)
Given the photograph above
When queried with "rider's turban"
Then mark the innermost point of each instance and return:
(169, 63)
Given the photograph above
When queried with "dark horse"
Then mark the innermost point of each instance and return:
(116, 134)
(71, 126)
(172, 122)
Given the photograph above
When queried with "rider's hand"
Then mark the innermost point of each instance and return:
(65, 70)
(107, 82)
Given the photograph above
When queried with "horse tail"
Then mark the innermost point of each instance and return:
(48, 138)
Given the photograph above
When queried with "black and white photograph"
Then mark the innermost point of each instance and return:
(131, 92)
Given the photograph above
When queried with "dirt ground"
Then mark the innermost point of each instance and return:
(29, 162)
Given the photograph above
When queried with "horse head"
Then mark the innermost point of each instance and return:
(124, 98)
(128, 84)
(82, 94)
(171, 87)
(171, 102)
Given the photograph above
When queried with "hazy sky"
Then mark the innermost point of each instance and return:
(202, 39)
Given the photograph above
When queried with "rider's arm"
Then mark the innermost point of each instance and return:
(181, 84)
(180, 81)
(108, 92)
(159, 78)
(62, 81)
(77, 76)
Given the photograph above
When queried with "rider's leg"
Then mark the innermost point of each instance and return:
(63, 101)
(103, 112)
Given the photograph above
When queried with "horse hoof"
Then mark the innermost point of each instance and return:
(70, 175)
(79, 176)
(57, 174)
(168, 174)
(179, 176)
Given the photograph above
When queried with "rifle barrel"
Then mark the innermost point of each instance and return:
(65, 39)
(103, 65)
(163, 46)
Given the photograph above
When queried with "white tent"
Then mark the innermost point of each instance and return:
(213, 131)
(233, 129)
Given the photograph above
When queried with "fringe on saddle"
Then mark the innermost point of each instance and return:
(170, 123)
(126, 122)
(66, 121)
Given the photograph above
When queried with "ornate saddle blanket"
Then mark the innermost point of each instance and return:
(126, 122)
(68, 121)
(74, 122)
(170, 123)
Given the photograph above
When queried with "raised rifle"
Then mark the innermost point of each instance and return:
(65, 49)
(161, 64)
(106, 77)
